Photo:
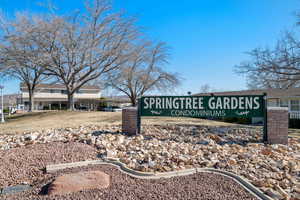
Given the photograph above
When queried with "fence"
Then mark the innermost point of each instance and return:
(295, 115)
(294, 119)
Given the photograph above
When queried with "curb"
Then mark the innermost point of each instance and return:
(146, 175)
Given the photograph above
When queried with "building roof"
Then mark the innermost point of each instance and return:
(271, 93)
(60, 86)
(117, 99)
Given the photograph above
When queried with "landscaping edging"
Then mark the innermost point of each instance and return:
(168, 147)
(14, 189)
(146, 175)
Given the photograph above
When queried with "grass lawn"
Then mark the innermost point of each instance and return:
(61, 119)
(55, 119)
(294, 133)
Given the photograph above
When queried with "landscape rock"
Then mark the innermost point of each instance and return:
(80, 181)
(162, 148)
(274, 195)
(30, 137)
(266, 152)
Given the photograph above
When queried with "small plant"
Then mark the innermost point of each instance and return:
(103, 102)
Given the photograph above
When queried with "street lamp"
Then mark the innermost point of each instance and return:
(2, 104)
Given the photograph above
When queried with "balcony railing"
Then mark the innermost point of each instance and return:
(294, 115)
(62, 96)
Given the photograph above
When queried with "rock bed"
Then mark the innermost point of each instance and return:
(26, 164)
(275, 169)
(123, 187)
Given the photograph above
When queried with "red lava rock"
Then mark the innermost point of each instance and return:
(80, 181)
(19, 165)
(266, 152)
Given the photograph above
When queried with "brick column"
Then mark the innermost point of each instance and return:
(130, 121)
(277, 125)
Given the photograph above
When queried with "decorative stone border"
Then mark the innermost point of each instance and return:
(14, 189)
(146, 175)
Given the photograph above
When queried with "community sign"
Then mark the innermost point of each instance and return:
(203, 106)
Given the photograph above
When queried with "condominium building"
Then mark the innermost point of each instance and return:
(54, 97)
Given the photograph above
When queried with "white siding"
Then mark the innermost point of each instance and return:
(45, 95)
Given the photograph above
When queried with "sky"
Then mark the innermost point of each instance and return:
(207, 37)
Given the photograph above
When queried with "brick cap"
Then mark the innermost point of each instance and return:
(130, 108)
(278, 108)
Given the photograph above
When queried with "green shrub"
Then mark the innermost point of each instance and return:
(230, 119)
(244, 121)
(237, 120)
(103, 102)
(294, 123)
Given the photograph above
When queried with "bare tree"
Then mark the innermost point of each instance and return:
(80, 48)
(18, 55)
(257, 80)
(205, 88)
(143, 71)
(278, 67)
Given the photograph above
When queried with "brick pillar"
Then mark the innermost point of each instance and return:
(277, 125)
(130, 121)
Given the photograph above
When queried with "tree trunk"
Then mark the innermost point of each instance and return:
(71, 102)
(133, 101)
(31, 100)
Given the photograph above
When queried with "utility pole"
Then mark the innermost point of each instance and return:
(2, 104)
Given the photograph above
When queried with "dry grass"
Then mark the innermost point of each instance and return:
(183, 121)
(294, 133)
(60, 119)
(55, 119)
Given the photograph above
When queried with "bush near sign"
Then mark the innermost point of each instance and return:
(203, 106)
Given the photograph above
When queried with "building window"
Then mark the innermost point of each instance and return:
(295, 105)
(284, 103)
(54, 91)
(273, 103)
(64, 91)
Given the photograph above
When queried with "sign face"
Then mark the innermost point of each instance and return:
(203, 106)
